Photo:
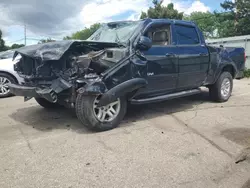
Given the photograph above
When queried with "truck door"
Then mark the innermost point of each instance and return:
(162, 66)
(193, 57)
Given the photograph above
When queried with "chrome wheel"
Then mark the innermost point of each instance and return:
(225, 87)
(106, 113)
(4, 88)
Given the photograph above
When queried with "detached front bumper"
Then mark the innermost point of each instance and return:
(26, 91)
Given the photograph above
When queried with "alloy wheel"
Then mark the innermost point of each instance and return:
(106, 113)
(225, 87)
(4, 88)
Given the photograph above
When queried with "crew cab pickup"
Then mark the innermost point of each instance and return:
(136, 62)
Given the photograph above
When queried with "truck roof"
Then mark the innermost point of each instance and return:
(165, 20)
(184, 22)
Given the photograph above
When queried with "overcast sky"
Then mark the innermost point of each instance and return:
(58, 18)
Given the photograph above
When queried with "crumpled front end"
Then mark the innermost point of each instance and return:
(56, 71)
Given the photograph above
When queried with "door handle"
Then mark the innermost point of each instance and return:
(203, 54)
(170, 55)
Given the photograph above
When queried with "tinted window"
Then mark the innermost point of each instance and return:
(186, 35)
(6, 54)
(159, 34)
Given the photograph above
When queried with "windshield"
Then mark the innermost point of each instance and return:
(7, 54)
(118, 32)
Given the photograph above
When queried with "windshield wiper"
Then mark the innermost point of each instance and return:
(117, 40)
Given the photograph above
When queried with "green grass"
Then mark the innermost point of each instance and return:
(247, 73)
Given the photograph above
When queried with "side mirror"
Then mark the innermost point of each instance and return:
(144, 43)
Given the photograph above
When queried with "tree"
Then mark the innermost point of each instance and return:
(2, 43)
(14, 46)
(206, 21)
(46, 40)
(160, 11)
(235, 21)
(225, 25)
(83, 34)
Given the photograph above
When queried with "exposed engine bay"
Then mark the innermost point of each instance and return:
(56, 67)
(78, 60)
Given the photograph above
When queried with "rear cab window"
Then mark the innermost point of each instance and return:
(186, 35)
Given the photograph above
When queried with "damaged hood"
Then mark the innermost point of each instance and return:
(55, 50)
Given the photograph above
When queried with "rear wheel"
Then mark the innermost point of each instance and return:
(5, 79)
(221, 90)
(46, 104)
(100, 118)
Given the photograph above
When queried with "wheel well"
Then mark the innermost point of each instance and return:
(11, 75)
(230, 69)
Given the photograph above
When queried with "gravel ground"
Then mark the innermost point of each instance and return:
(188, 142)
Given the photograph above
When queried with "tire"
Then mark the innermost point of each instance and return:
(216, 90)
(86, 113)
(4, 79)
(46, 104)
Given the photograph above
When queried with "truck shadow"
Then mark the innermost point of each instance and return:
(47, 120)
(149, 111)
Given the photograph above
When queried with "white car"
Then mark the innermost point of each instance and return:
(7, 73)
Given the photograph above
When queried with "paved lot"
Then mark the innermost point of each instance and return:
(189, 142)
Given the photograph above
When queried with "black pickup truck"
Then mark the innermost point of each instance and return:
(136, 62)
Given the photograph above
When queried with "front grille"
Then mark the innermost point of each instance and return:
(25, 66)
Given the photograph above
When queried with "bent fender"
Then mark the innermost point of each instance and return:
(121, 90)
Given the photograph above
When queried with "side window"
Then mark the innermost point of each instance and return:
(159, 34)
(186, 35)
(7, 54)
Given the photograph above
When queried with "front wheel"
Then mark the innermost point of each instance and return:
(221, 90)
(100, 118)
